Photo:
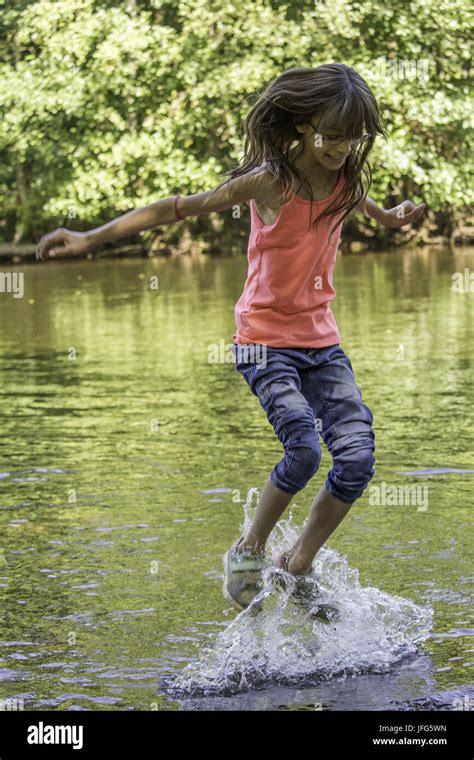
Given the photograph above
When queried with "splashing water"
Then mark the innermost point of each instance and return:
(282, 644)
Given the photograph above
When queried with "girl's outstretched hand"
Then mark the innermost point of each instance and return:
(61, 242)
(404, 213)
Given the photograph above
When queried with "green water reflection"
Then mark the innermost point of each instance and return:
(118, 434)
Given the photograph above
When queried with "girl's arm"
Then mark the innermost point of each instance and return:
(404, 213)
(64, 242)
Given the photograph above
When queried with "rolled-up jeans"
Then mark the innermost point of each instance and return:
(307, 393)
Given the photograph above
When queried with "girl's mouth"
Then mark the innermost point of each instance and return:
(336, 160)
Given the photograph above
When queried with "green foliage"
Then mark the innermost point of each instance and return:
(107, 106)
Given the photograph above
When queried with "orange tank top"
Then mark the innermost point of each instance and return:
(286, 297)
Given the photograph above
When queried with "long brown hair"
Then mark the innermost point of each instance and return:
(339, 99)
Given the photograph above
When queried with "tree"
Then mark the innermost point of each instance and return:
(110, 105)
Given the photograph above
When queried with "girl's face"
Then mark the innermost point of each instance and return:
(329, 149)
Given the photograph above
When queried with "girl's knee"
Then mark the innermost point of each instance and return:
(364, 463)
(308, 458)
(355, 462)
(305, 461)
(359, 470)
(300, 463)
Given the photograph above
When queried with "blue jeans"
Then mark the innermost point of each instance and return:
(306, 392)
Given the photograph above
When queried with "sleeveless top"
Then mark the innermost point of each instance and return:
(286, 297)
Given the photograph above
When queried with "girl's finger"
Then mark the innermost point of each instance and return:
(415, 214)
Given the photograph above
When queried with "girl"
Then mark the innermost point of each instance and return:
(304, 170)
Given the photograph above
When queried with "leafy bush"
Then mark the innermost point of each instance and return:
(108, 106)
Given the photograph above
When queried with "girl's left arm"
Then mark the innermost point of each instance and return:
(404, 213)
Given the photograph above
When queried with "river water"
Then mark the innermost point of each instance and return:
(130, 460)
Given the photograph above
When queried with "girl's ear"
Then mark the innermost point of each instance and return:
(300, 127)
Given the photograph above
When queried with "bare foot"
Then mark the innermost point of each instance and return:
(282, 560)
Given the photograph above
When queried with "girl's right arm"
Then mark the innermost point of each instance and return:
(63, 242)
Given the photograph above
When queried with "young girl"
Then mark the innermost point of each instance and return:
(304, 170)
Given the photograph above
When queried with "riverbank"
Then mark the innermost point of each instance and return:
(16, 254)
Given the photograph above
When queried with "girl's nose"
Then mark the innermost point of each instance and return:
(344, 147)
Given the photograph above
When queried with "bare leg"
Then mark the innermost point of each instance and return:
(271, 505)
(325, 515)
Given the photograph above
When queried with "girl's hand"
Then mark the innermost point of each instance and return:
(62, 242)
(404, 213)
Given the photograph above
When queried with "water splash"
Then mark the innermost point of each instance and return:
(276, 641)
